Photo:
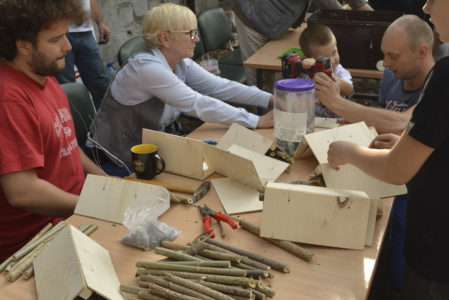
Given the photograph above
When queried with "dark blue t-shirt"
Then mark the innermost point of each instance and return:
(392, 95)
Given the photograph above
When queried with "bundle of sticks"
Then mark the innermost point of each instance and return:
(204, 269)
(21, 262)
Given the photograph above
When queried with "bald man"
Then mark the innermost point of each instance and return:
(407, 47)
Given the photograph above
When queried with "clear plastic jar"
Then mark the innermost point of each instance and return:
(294, 112)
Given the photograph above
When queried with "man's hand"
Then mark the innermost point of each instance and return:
(384, 141)
(104, 32)
(339, 153)
(266, 121)
(327, 89)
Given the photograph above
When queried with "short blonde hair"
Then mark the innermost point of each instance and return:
(167, 17)
(313, 36)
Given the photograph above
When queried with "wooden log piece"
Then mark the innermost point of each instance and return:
(197, 287)
(192, 269)
(230, 280)
(286, 245)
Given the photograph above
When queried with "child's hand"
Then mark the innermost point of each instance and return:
(308, 63)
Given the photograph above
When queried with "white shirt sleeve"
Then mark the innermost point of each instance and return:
(192, 90)
(343, 74)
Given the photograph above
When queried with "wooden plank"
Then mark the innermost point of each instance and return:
(182, 156)
(314, 215)
(236, 197)
(106, 198)
(240, 135)
(74, 265)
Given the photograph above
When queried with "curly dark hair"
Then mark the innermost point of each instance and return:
(24, 19)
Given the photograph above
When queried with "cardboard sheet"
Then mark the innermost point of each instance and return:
(74, 265)
(236, 197)
(106, 198)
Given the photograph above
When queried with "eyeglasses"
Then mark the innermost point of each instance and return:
(193, 33)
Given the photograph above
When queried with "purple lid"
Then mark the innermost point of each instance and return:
(294, 85)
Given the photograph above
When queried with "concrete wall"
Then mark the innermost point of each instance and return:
(124, 19)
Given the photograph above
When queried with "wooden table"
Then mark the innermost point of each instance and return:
(266, 58)
(332, 274)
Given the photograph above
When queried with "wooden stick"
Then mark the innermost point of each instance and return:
(173, 246)
(38, 235)
(231, 280)
(84, 226)
(259, 295)
(149, 296)
(265, 289)
(246, 260)
(130, 289)
(209, 263)
(26, 261)
(192, 269)
(174, 254)
(28, 273)
(11, 265)
(24, 251)
(92, 228)
(221, 255)
(197, 287)
(227, 289)
(172, 286)
(195, 249)
(272, 263)
(286, 245)
(165, 293)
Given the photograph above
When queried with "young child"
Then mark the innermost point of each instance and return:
(318, 40)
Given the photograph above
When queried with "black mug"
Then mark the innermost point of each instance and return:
(145, 161)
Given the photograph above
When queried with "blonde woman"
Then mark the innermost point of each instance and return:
(155, 86)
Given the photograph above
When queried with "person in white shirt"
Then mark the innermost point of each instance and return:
(154, 87)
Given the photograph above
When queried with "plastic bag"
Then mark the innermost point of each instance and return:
(140, 217)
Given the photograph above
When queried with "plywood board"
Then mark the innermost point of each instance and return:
(182, 156)
(233, 166)
(236, 197)
(350, 177)
(106, 198)
(326, 122)
(268, 169)
(74, 265)
(242, 136)
(314, 215)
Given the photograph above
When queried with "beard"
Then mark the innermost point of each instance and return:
(43, 65)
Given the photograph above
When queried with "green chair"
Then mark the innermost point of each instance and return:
(215, 32)
(129, 48)
(82, 107)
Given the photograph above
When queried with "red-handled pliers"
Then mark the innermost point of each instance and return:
(208, 213)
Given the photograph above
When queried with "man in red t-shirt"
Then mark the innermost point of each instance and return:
(42, 169)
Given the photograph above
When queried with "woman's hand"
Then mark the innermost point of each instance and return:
(267, 120)
(339, 153)
(384, 141)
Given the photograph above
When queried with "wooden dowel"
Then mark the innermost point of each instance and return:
(192, 269)
(165, 293)
(84, 226)
(221, 255)
(92, 228)
(130, 289)
(244, 259)
(173, 246)
(272, 263)
(209, 263)
(26, 261)
(174, 254)
(24, 251)
(172, 286)
(28, 273)
(231, 280)
(227, 289)
(149, 296)
(286, 245)
(197, 287)
(38, 235)
(259, 295)
(265, 289)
